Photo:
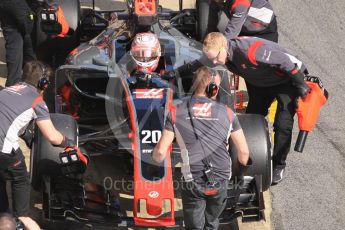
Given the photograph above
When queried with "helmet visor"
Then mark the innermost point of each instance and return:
(145, 55)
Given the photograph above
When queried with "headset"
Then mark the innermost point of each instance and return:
(212, 88)
(43, 82)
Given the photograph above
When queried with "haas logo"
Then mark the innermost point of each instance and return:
(148, 93)
(153, 194)
(17, 87)
(202, 110)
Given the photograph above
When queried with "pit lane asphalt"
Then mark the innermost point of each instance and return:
(312, 194)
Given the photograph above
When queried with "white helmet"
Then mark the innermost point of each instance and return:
(146, 51)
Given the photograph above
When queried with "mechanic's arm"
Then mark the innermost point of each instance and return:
(29, 224)
(190, 67)
(46, 126)
(49, 131)
(241, 145)
(237, 18)
(271, 54)
(213, 18)
(160, 151)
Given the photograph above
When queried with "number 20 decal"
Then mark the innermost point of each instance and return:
(151, 136)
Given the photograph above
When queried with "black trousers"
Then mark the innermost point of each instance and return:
(201, 211)
(260, 99)
(13, 169)
(17, 28)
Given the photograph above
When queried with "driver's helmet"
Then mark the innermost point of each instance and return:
(146, 51)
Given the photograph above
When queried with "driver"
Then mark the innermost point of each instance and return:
(145, 52)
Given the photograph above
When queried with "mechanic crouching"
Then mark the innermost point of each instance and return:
(202, 128)
(271, 72)
(20, 104)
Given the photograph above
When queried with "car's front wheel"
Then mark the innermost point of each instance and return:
(255, 128)
(44, 156)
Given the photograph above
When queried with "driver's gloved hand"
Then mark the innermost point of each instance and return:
(168, 75)
(143, 78)
(142, 75)
(74, 161)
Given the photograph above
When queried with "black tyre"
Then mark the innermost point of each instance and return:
(255, 128)
(46, 46)
(44, 156)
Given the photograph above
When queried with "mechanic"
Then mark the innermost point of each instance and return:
(16, 19)
(271, 73)
(20, 104)
(246, 18)
(202, 128)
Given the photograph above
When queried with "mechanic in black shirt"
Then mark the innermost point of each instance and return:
(20, 104)
(17, 20)
(202, 128)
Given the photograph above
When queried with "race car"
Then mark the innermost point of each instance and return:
(117, 115)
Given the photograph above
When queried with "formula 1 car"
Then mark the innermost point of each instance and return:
(117, 116)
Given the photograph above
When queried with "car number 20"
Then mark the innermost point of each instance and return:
(151, 136)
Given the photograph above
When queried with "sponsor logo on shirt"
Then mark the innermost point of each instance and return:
(16, 88)
(148, 93)
(202, 110)
(267, 55)
(237, 15)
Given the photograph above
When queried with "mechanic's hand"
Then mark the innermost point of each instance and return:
(301, 86)
(73, 161)
(168, 75)
(302, 89)
(318, 81)
(66, 142)
(28, 135)
(240, 170)
(314, 79)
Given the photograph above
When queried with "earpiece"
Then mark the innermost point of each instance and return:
(43, 83)
(212, 88)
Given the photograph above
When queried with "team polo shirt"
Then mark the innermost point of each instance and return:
(19, 105)
(262, 63)
(213, 123)
(250, 17)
